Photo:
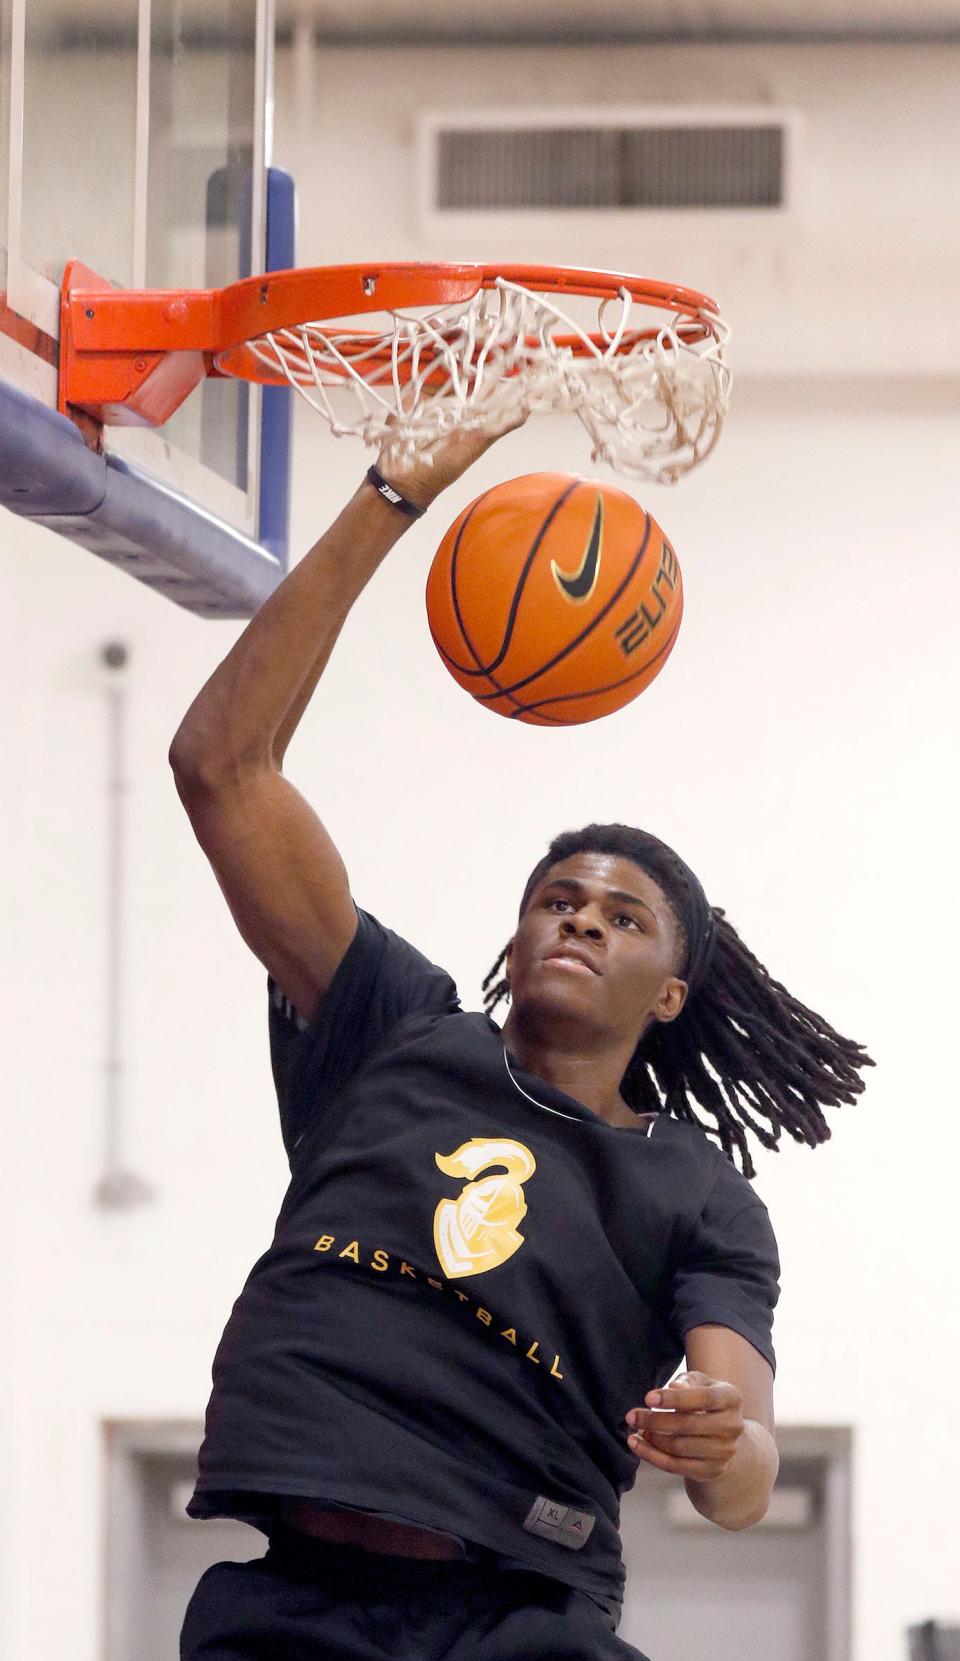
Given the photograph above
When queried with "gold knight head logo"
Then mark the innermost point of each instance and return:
(478, 1230)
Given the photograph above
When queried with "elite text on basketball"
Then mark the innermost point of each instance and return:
(643, 621)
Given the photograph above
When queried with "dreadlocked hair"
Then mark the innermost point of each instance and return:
(742, 1048)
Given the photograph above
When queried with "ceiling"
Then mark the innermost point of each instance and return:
(433, 21)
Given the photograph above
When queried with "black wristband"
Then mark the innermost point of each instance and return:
(392, 496)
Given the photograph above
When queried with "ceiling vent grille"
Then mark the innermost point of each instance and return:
(658, 166)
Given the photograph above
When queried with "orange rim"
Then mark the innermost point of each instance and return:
(333, 292)
(128, 354)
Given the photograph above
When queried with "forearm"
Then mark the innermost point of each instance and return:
(250, 706)
(741, 1495)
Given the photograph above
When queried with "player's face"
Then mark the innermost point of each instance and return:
(598, 940)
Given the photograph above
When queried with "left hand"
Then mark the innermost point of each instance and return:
(690, 1428)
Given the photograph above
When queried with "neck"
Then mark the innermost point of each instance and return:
(590, 1075)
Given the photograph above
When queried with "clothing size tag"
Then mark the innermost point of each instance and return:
(559, 1523)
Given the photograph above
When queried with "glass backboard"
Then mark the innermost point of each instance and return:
(134, 135)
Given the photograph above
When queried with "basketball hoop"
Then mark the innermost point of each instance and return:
(452, 346)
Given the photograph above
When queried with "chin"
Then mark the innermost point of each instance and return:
(561, 1001)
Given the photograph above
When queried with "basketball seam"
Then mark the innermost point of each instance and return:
(597, 691)
(522, 581)
(507, 691)
(486, 670)
(485, 673)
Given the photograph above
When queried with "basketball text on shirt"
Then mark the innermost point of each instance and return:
(381, 1264)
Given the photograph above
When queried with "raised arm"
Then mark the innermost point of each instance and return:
(283, 878)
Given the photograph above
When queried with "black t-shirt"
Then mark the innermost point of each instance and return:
(472, 1280)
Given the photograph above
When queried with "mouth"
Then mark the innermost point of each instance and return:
(572, 961)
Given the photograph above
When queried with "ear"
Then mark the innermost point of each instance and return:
(671, 1000)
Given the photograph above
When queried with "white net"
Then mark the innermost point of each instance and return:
(653, 399)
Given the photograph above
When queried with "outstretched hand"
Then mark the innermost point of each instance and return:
(421, 476)
(690, 1428)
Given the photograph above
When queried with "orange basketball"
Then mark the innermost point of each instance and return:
(554, 599)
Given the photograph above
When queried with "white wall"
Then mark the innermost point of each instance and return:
(798, 750)
(857, 273)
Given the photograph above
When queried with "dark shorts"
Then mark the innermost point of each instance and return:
(308, 1600)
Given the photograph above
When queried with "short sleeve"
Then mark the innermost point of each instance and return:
(728, 1273)
(382, 979)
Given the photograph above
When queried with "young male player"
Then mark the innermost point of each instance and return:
(496, 1245)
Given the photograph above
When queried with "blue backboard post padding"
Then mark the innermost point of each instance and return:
(277, 417)
(45, 467)
(48, 474)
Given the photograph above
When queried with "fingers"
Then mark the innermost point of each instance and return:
(442, 459)
(727, 1422)
(507, 422)
(709, 1396)
(690, 1428)
(679, 1452)
(456, 450)
(710, 1448)
(697, 1469)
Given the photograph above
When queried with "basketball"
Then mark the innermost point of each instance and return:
(554, 599)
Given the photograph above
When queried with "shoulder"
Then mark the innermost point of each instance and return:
(718, 1193)
(381, 984)
(696, 1152)
(381, 960)
(702, 1151)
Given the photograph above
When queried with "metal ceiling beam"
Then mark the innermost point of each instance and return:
(509, 32)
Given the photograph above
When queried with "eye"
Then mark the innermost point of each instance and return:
(626, 917)
(560, 901)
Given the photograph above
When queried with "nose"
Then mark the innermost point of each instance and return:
(582, 924)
